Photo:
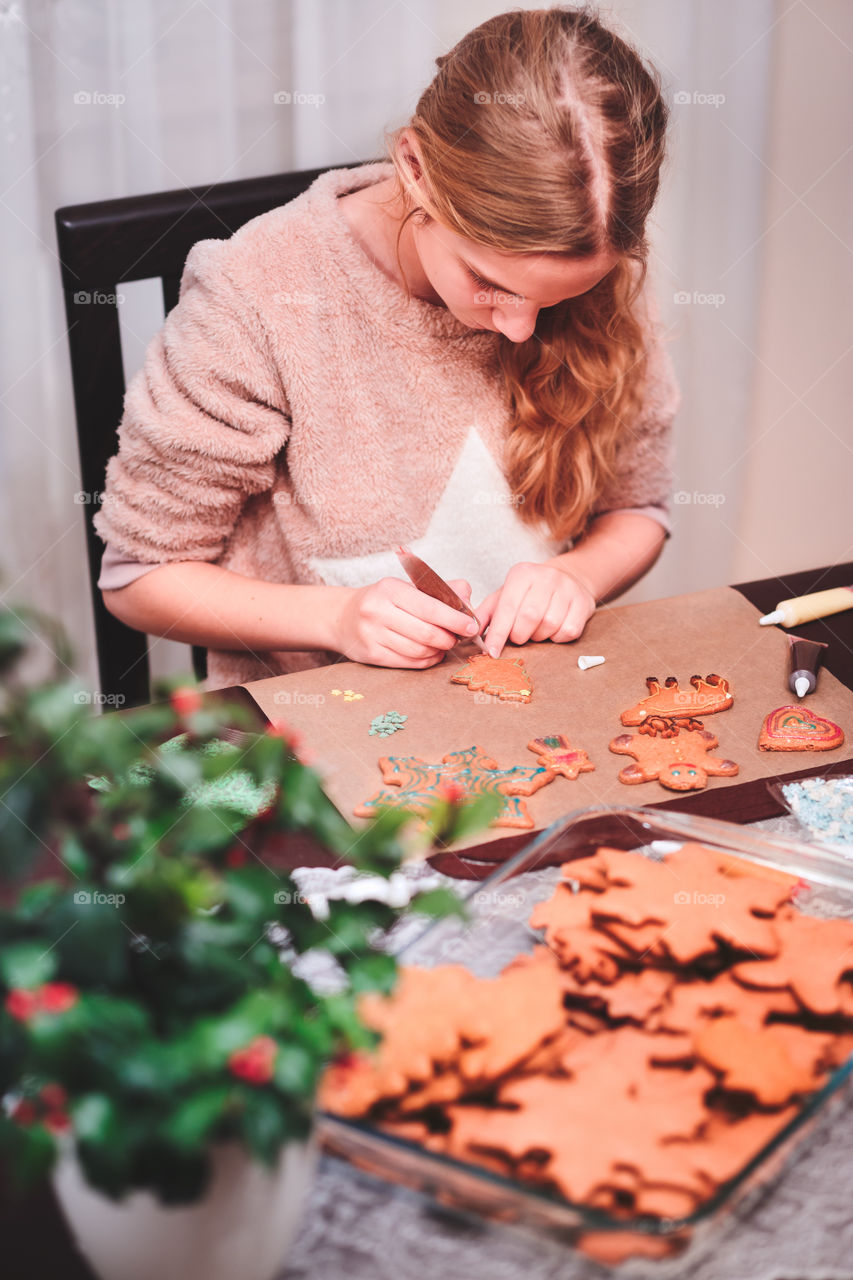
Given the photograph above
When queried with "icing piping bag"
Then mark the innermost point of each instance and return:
(805, 656)
(820, 604)
(428, 581)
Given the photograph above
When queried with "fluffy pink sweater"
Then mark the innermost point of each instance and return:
(296, 418)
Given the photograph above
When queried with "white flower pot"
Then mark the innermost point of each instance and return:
(238, 1231)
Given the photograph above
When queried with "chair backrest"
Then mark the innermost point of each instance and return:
(102, 245)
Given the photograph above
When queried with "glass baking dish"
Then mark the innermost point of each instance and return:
(495, 932)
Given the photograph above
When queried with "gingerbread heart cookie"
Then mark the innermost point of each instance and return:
(792, 728)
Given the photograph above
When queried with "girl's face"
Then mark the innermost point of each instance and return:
(491, 290)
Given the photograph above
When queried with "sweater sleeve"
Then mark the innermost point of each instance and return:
(203, 422)
(644, 466)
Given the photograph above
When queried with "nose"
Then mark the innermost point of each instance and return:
(515, 323)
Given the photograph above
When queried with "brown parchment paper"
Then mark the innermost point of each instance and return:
(696, 634)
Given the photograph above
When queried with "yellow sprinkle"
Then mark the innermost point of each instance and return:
(335, 692)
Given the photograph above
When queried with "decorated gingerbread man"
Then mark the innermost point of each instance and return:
(680, 763)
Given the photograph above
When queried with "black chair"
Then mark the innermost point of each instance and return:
(101, 246)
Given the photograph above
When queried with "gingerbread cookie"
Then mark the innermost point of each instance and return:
(812, 959)
(687, 922)
(504, 677)
(680, 763)
(708, 696)
(587, 1131)
(726, 1144)
(513, 1016)
(798, 729)
(764, 1061)
(417, 784)
(569, 932)
(419, 1030)
(556, 753)
(629, 1080)
(687, 1004)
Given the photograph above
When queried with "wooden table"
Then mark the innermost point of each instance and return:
(35, 1239)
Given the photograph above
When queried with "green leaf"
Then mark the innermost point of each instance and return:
(263, 1123)
(155, 1068)
(472, 816)
(14, 638)
(192, 1121)
(27, 964)
(94, 1118)
(74, 855)
(343, 1016)
(22, 818)
(26, 1153)
(295, 1069)
(350, 926)
(89, 938)
(216, 1037)
(250, 892)
(37, 898)
(375, 972)
(438, 903)
(53, 708)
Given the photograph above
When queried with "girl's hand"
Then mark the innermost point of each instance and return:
(536, 602)
(392, 624)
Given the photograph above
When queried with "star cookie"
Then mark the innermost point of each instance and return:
(556, 753)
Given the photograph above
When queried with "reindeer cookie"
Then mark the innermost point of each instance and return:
(680, 763)
(709, 694)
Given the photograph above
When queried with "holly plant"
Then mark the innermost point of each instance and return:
(152, 940)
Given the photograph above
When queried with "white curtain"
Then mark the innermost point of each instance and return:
(121, 97)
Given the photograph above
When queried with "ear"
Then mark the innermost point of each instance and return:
(409, 153)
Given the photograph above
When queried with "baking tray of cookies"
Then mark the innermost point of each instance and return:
(641, 1021)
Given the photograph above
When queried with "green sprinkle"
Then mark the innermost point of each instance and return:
(383, 726)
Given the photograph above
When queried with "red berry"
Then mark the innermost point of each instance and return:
(278, 729)
(185, 700)
(24, 1112)
(56, 997)
(56, 1122)
(347, 1060)
(254, 1063)
(54, 1097)
(236, 856)
(22, 1004)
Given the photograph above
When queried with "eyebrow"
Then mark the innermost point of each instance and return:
(494, 285)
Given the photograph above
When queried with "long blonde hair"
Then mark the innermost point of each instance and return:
(543, 132)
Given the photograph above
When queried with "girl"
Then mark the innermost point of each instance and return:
(452, 348)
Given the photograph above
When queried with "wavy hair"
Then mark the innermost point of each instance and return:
(544, 132)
